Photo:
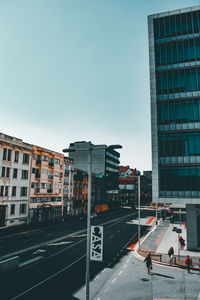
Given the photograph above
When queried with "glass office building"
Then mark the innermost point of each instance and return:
(174, 55)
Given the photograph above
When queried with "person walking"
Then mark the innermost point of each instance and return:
(171, 254)
(188, 263)
(148, 262)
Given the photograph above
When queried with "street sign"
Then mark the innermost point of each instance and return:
(96, 245)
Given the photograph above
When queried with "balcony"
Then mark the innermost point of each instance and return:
(49, 191)
(51, 164)
(50, 177)
(37, 190)
(37, 176)
(38, 162)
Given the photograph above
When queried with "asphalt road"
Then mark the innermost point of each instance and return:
(56, 270)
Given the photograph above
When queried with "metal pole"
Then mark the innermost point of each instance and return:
(87, 278)
(156, 213)
(139, 211)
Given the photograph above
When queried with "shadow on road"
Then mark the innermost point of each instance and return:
(162, 275)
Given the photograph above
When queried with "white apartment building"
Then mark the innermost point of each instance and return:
(15, 166)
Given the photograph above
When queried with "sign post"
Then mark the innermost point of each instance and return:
(96, 246)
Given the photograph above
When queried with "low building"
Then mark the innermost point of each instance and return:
(15, 166)
(46, 192)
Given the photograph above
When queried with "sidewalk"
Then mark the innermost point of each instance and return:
(122, 279)
(161, 238)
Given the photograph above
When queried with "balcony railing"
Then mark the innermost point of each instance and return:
(37, 176)
(37, 190)
(50, 177)
(51, 164)
(49, 191)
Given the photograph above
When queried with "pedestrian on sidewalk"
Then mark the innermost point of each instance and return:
(188, 263)
(148, 262)
(171, 254)
(199, 265)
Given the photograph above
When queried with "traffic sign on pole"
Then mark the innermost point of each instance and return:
(96, 246)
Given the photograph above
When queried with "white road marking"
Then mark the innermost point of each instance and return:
(106, 289)
(114, 280)
(103, 270)
(127, 260)
(98, 298)
(78, 235)
(59, 243)
(30, 261)
(120, 273)
(125, 266)
(96, 277)
(39, 251)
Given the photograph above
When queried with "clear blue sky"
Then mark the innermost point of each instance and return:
(74, 70)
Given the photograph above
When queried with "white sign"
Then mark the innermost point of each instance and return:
(96, 245)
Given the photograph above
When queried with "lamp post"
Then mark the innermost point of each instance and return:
(139, 211)
(91, 148)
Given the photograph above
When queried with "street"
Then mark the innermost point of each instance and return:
(60, 266)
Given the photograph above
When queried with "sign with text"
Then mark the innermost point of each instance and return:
(96, 245)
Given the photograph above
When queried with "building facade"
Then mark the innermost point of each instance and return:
(127, 186)
(46, 186)
(68, 187)
(174, 53)
(105, 166)
(15, 170)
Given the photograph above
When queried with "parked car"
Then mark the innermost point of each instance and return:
(93, 215)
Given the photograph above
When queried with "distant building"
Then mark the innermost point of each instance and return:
(146, 188)
(15, 166)
(105, 166)
(46, 192)
(68, 186)
(128, 186)
(174, 53)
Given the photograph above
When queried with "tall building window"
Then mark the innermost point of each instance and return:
(12, 209)
(4, 153)
(24, 174)
(3, 172)
(14, 189)
(22, 209)
(23, 191)
(9, 154)
(8, 172)
(25, 158)
(15, 173)
(6, 190)
(16, 159)
(1, 190)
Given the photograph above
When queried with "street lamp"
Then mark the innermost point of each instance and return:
(91, 148)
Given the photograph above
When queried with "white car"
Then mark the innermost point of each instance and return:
(93, 215)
